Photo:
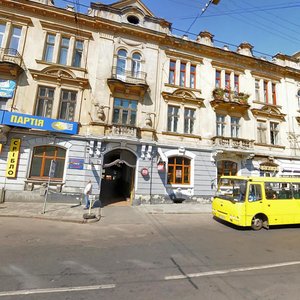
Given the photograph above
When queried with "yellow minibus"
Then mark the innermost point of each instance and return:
(257, 201)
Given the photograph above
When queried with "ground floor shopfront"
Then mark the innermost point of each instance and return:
(126, 171)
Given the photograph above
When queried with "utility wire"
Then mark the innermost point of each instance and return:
(199, 15)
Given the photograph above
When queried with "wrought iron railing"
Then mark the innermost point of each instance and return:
(135, 77)
(12, 56)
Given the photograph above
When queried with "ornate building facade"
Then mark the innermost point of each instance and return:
(150, 117)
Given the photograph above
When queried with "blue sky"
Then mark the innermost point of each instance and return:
(271, 26)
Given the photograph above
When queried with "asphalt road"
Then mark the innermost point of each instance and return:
(159, 257)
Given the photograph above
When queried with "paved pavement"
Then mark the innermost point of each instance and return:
(108, 214)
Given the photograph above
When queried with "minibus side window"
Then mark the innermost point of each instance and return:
(296, 191)
(254, 192)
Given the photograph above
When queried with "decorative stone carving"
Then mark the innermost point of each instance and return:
(148, 121)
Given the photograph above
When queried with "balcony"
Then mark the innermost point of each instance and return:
(121, 131)
(11, 62)
(128, 82)
(232, 143)
(229, 100)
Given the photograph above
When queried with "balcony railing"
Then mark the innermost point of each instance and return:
(123, 130)
(236, 143)
(230, 96)
(135, 77)
(11, 56)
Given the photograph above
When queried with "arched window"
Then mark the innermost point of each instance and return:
(136, 65)
(121, 64)
(227, 167)
(179, 170)
(41, 160)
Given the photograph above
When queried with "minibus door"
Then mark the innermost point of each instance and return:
(255, 203)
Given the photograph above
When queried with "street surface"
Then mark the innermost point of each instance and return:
(175, 256)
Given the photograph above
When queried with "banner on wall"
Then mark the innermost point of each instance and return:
(37, 122)
(7, 88)
(13, 158)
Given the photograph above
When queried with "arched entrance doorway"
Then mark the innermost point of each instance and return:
(118, 174)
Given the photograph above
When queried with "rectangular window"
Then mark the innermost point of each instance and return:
(125, 112)
(179, 170)
(172, 72)
(45, 100)
(261, 132)
(218, 79)
(274, 93)
(236, 84)
(193, 77)
(227, 81)
(182, 74)
(220, 124)
(14, 40)
(173, 116)
(265, 91)
(63, 51)
(189, 120)
(67, 105)
(235, 126)
(257, 90)
(77, 55)
(50, 41)
(2, 32)
(274, 131)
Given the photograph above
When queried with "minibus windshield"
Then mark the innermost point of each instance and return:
(232, 189)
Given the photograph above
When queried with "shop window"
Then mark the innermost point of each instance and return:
(125, 112)
(49, 49)
(77, 54)
(67, 105)
(45, 100)
(226, 168)
(41, 160)
(179, 170)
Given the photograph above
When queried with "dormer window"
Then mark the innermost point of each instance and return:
(133, 19)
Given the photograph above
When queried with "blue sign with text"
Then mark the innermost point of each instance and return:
(36, 122)
(76, 163)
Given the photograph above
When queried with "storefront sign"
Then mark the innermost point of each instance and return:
(30, 121)
(13, 157)
(76, 163)
(7, 88)
(145, 172)
(269, 168)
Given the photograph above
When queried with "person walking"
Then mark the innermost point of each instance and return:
(87, 191)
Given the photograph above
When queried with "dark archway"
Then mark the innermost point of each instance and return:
(118, 174)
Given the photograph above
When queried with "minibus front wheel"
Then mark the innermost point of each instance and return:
(258, 222)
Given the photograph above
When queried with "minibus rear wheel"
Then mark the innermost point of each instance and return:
(257, 223)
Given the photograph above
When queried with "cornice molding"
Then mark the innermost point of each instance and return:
(269, 112)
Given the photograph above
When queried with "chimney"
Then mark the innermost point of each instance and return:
(205, 38)
(245, 49)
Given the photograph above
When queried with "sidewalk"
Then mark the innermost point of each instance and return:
(109, 214)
